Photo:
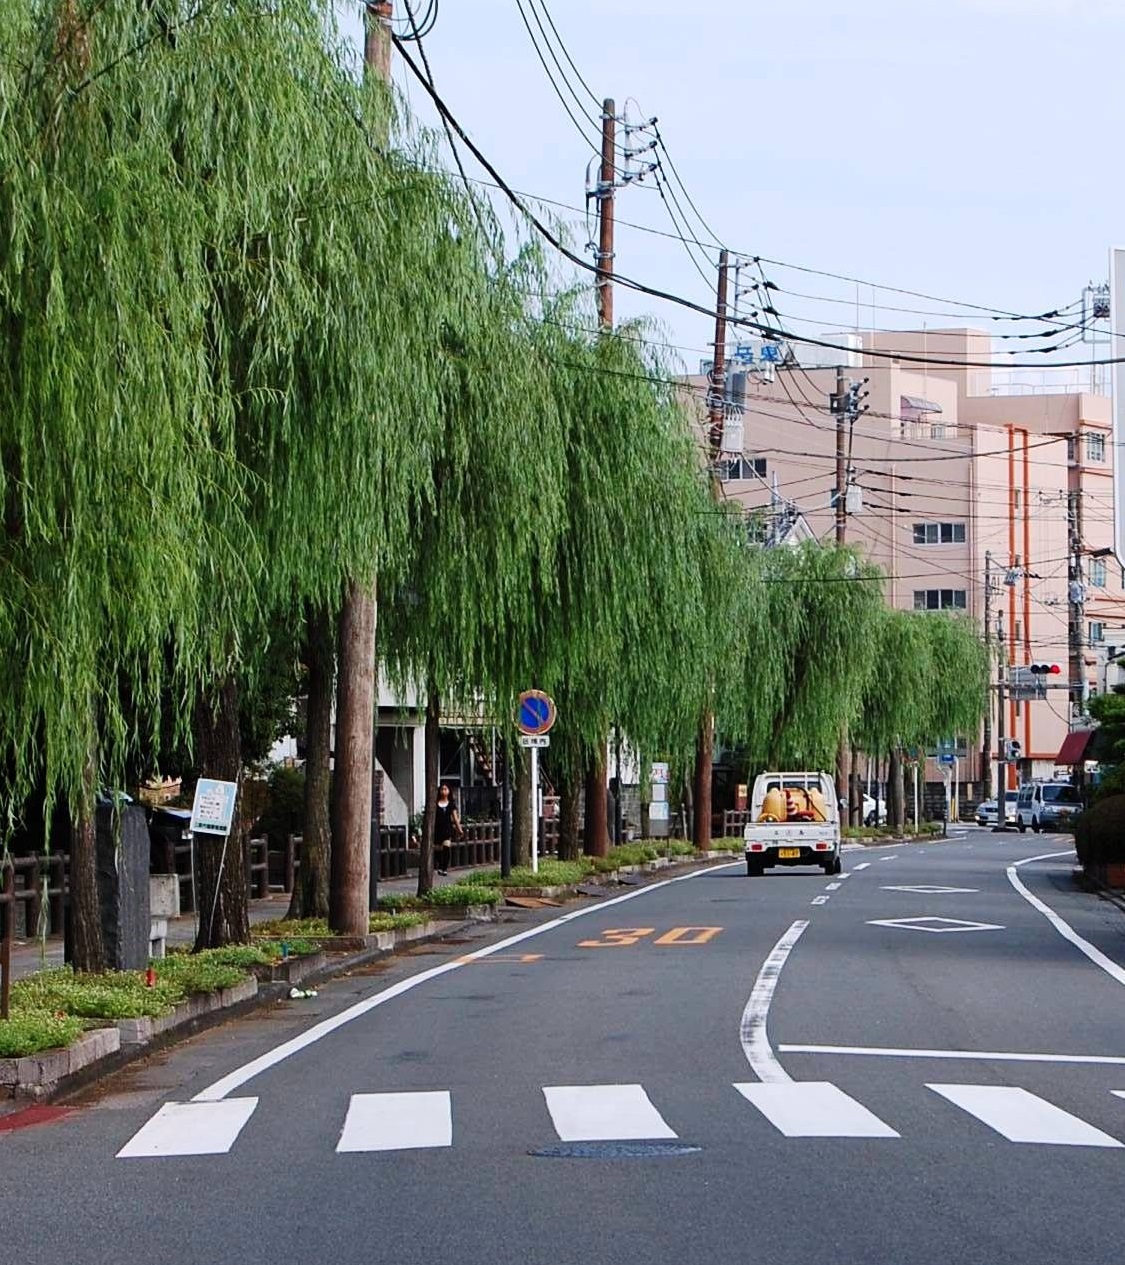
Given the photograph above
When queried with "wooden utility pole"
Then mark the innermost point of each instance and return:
(349, 897)
(839, 407)
(716, 421)
(595, 833)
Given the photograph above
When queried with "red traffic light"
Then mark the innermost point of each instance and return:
(1045, 669)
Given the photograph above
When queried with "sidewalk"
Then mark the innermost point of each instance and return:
(29, 956)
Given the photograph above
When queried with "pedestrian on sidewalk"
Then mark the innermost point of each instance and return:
(447, 826)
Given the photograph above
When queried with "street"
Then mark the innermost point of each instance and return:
(920, 1060)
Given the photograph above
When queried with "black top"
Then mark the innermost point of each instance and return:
(443, 823)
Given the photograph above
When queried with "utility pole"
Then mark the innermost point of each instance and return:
(349, 892)
(1076, 607)
(595, 824)
(606, 191)
(716, 418)
(1001, 730)
(839, 407)
(986, 743)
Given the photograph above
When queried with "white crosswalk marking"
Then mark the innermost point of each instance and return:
(814, 1109)
(190, 1128)
(604, 1113)
(397, 1122)
(1021, 1116)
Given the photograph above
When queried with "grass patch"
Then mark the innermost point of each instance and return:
(474, 893)
(114, 995)
(31, 1031)
(395, 922)
(205, 972)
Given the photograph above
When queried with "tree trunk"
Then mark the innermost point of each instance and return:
(521, 808)
(87, 948)
(349, 895)
(644, 793)
(310, 891)
(701, 792)
(843, 778)
(433, 776)
(855, 791)
(898, 790)
(224, 913)
(595, 842)
(569, 841)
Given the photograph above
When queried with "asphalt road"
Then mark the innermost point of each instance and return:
(803, 1070)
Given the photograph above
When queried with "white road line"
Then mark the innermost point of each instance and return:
(846, 874)
(832, 887)
(863, 866)
(190, 1128)
(1064, 928)
(887, 858)
(820, 900)
(814, 1109)
(984, 1056)
(234, 1080)
(1020, 1116)
(604, 1113)
(752, 1030)
(397, 1122)
(1118, 1093)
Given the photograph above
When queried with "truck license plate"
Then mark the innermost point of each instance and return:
(787, 854)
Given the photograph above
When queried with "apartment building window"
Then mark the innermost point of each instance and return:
(1097, 573)
(940, 600)
(1096, 631)
(1095, 447)
(939, 533)
(1071, 450)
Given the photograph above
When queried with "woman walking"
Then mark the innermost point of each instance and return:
(447, 826)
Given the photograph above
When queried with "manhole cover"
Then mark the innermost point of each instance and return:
(613, 1150)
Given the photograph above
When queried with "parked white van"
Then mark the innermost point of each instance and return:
(1047, 806)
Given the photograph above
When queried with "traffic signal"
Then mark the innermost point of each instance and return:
(1012, 749)
(1045, 669)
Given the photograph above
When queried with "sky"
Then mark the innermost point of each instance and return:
(967, 149)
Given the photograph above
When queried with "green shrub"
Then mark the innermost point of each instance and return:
(30, 1031)
(291, 928)
(394, 901)
(463, 894)
(196, 973)
(1099, 832)
(114, 995)
(395, 922)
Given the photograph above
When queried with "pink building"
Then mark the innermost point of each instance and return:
(951, 479)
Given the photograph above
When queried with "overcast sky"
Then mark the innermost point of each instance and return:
(965, 148)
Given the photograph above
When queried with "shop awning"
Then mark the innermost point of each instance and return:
(1075, 745)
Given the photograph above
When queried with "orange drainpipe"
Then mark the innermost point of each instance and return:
(1011, 725)
(1026, 582)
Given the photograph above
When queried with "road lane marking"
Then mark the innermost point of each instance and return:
(832, 887)
(924, 889)
(887, 858)
(814, 1109)
(234, 1080)
(1060, 924)
(617, 938)
(190, 1128)
(688, 936)
(863, 865)
(930, 922)
(820, 900)
(1021, 1116)
(984, 1056)
(397, 1122)
(604, 1113)
(752, 1029)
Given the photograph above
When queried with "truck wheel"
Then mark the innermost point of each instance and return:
(754, 869)
(1035, 825)
(834, 866)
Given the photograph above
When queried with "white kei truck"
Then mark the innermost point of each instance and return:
(794, 820)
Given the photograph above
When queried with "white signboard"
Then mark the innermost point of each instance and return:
(659, 773)
(659, 792)
(658, 810)
(535, 740)
(213, 810)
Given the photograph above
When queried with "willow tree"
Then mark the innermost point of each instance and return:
(807, 655)
(930, 682)
(620, 599)
(459, 621)
(117, 486)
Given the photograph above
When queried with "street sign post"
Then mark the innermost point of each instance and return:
(535, 716)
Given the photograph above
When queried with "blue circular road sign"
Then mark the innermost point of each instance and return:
(535, 713)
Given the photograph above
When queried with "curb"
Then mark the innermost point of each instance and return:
(1114, 896)
(52, 1074)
